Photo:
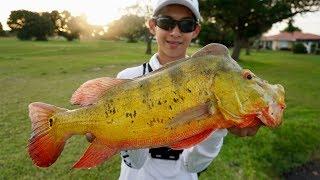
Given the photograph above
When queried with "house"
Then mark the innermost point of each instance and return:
(285, 41)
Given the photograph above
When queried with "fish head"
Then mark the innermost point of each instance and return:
(241, 95)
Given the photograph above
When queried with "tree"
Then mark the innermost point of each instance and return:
(143, 8)
(1, 30)
(56, 21)
(19, 21)
(131, 27)
(213, 32)
(291, 28)
(251, 18)
(42, 26)
(29, 24)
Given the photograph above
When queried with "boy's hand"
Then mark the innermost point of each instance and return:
(243, 132)
(90, 137)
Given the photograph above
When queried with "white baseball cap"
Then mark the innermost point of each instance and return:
(193, 5)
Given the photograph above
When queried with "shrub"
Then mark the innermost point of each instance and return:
(299, 48)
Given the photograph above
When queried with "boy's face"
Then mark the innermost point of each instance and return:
(173, 44)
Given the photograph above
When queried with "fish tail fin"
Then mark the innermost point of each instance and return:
(45, 145)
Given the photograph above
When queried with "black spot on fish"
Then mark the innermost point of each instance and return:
(207, 72)
(110, 121)
(132, 121)
(175, 100)
(114, 111)
(50, 122)
(143, 101)
(134, 113)
(170, 107)
(165, 101)
(189, 90)
(106, 113)
(159, 103)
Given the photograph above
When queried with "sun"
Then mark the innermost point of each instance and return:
(102, 13)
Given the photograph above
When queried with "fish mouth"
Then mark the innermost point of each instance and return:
(271, 116)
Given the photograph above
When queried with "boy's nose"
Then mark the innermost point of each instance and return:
(176, 31)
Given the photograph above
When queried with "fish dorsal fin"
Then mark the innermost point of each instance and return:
(191, 141)
(212, 49)
(96, 154)
(194, 113)
(168, 65)
(91, 91)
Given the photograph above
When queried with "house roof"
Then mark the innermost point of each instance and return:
(286, 36)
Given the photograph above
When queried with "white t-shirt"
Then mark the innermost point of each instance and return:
(139, 165)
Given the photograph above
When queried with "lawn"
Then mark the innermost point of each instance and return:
(51, 71)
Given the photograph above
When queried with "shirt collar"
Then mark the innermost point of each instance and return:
(154, 62)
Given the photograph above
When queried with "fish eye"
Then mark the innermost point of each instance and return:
(247, 74)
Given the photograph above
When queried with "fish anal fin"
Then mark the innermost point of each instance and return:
(212, 49)
(91, 91)
(191, 114)
(96, 154)
(191, 141)
(250, 121)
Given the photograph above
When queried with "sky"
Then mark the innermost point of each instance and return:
(101, 13)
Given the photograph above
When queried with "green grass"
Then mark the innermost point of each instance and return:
(51, 71)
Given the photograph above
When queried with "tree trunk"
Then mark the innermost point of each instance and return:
(247, 44)
(148, 41)
(237, 47)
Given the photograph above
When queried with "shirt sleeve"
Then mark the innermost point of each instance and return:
(134, 158)
(199, 157)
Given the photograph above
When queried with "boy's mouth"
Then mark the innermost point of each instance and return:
(174, 43)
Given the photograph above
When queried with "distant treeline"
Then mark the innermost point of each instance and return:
(28, 25)
(234, 23)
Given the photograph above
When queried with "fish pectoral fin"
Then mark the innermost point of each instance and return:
(91, 91)
(191, 141)
(195, 113)
(95, 155)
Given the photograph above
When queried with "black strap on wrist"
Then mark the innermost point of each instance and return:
(165, 153)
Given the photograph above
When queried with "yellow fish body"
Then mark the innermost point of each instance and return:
(177, 106)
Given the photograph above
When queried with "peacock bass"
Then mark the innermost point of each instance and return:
(177, 106)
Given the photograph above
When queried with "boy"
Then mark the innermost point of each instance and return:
(174, 24)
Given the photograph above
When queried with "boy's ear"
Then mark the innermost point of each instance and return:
(196, 31)
(152, 26)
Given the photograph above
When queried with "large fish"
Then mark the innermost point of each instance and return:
(178, 106)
